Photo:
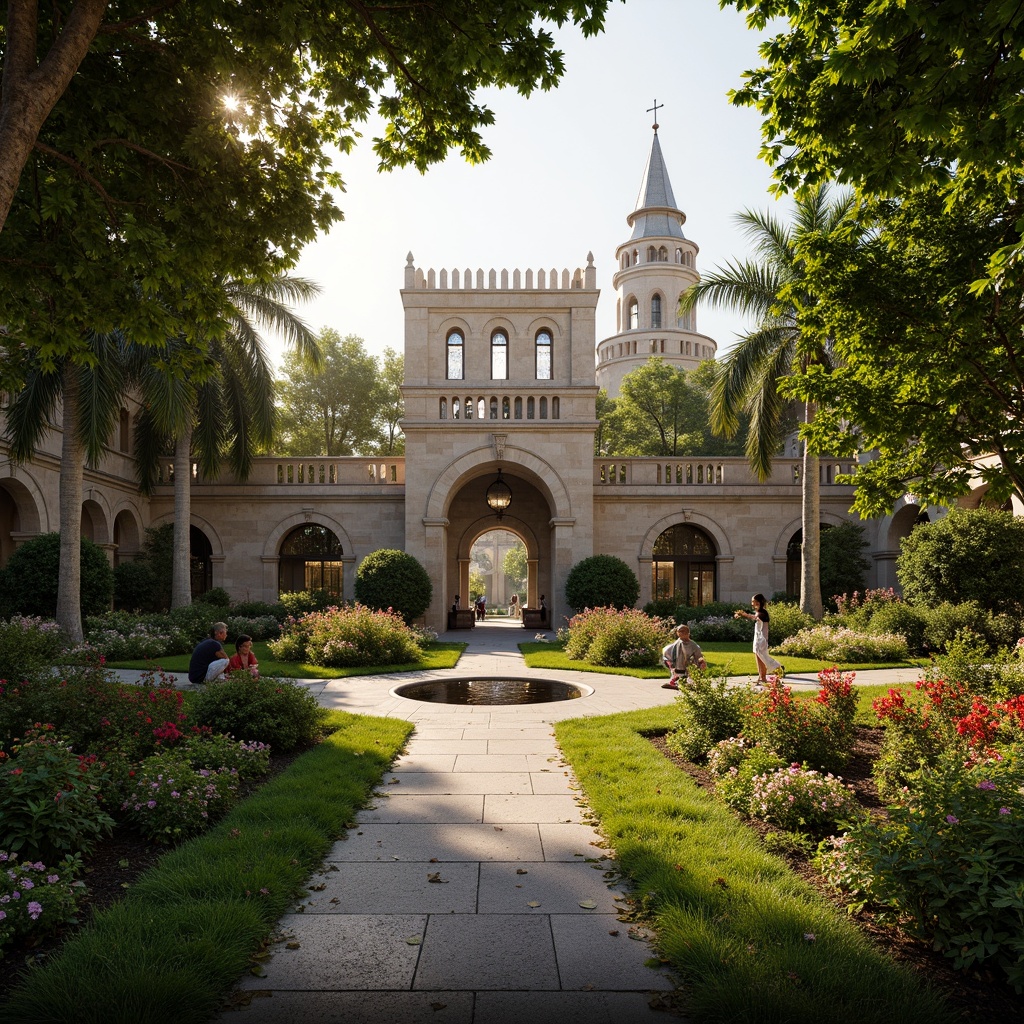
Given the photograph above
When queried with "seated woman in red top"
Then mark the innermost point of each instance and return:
(244, 658)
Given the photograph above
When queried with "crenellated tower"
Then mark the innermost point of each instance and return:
(655, 267)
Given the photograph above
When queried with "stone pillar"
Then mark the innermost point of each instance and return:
(532, 583)
(646, 586)
(563, 557)
(463, 591)
(270, 577)
(348, 577)
(435, 535)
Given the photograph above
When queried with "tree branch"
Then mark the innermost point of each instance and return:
(166, 161)
(82, 173)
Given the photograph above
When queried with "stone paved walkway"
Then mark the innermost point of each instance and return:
(473, 890)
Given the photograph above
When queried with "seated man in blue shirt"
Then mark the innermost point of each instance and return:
(209, 659)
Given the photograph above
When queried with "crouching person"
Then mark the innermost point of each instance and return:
(679, 655)
(209, 659)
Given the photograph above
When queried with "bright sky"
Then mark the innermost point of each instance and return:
(565, 170)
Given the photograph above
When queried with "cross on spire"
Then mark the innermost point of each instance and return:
(655, 109)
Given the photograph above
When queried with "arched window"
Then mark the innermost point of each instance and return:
(662, 255)
(481, 410)
(683, 566)
(200, 561)
(543, 408)
(655, 310)
(455, 409)
(636, 257)
(555, 408)
(529, 408)
(543, 346)
(679, 255)
(652, 254)
(499, 356)
(634, 315)
(519, 409)
(444, 408)
(504, 409)
(468, 409)
(456, 356)
(310, 559)
(494, 408)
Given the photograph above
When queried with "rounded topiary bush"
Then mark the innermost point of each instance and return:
(31, 575)
(134, 586)
(602, 581)
(394, 579)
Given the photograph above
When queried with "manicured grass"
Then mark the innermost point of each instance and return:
(437, 655)
(748, 938)
(730, 659)
(192, 925)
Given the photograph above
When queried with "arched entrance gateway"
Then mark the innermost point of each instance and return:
(683, 566)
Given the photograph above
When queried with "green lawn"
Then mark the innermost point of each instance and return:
(748, 938)
(730, 659)
(437, 655)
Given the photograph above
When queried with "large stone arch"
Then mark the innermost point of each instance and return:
(33, 515)
(517, 460)
(212, 535)
(511, 524)
(97, 521)
(784, 536)
(127, 530)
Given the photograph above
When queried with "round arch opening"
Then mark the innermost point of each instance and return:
(200, 561)
(684, 567)
(310, 559)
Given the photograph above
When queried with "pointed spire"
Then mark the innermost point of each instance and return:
(656, 213)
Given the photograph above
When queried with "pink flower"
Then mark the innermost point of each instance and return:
(1004, 810)
(952, 819)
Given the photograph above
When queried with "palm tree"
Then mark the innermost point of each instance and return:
(768, 289)
(90, 396)
(226, 410)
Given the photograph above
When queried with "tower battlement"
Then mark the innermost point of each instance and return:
(419, 279)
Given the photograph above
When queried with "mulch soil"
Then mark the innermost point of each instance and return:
(979, 997)
(110, 870)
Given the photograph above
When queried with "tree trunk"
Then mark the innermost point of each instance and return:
(810, 549)
(72, 474)
(181, 572)
(30, 91)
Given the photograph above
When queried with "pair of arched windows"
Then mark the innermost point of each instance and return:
(634, 313)
(456, 355)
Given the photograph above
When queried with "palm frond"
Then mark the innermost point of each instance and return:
(31, 410)
(150, 445)
(749, 287)
(212, 429)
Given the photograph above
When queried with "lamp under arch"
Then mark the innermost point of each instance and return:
(499, 496)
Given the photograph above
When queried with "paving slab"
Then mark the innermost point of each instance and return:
(426, 763)
(428, 808)
(418, 842)
(570, 842)
(567, 1008)
(499, 807)
(544, 745)
(418, 746)
(491, 763)
(540, 731)
(342, 952)
(457, 782)
(496, 951)
(559, 888)
(269, 1007)
(553, 782)
(590, 956)
(403, 888)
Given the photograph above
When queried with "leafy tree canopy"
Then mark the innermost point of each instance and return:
(601, 581)
(664, 411)
(148, 151)
(334, 410)
(930, 372)
(388, 578)
(516, 567)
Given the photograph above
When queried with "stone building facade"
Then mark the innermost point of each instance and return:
(502, 370)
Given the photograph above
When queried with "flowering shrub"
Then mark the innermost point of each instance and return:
(34, 899)
(247, 758)
(27, 644)
(272, 711)
(709, 710)
(948, 857)
(837, 643)
(818, 731)
(259, 627)
(600, 635)
(721, 628)
(171, 799)
(639, 657)
(917, 731)
(726, 754)
(800, 799)
(349, 636)
(869, 601)
(736, 786)
(50, 797)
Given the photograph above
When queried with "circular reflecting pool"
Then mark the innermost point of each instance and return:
(496, 690)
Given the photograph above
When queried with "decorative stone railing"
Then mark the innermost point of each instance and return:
(696, 472)
(268, 471)
(465, 280)
(472, 408)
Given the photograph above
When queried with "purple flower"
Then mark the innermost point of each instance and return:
(151, 804)
(986, 784)
(34, 910)
(3, 914)
(1004, 810)
(53, 879)
(952, 819)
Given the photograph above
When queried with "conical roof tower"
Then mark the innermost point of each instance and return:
(655, 267)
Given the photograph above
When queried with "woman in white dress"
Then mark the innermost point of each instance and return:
(765, 662)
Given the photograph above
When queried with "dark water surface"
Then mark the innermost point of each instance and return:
(490, 691)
